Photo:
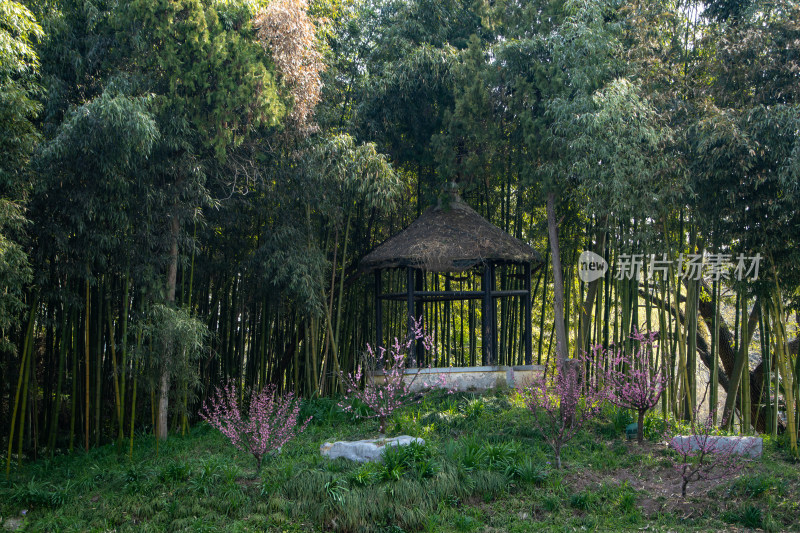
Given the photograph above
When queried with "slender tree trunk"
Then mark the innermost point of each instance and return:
(591, 291)
(562, 347)
(86, 354)
(172, 274)
(62, 358)
(124, 367)
(115, 369)
(136, 366)
(74, 396)
(738, 368)
(22, 366)
(640, 427)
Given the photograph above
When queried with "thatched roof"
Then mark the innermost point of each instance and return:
(448, 239)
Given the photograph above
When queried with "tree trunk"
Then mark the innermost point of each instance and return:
(558, 282)
(172, 275)
(727, 354)
(640, 427)
(591, 291)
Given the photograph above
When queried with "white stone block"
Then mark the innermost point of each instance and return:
(749, 446)
(363, 451)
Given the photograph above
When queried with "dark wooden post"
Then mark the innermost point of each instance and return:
(419, 349)
(493, 315)
(527, 311)
(378, 310)
(410, 292)
(486, 316)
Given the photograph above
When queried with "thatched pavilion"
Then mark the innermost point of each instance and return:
(449, 239)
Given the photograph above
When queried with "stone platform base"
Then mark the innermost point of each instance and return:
(471, 378)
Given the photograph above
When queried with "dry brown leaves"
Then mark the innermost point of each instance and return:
(286, 30)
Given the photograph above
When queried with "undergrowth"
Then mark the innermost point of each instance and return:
(483, 467)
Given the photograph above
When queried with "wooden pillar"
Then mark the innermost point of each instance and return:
(527, 320)
(486, 316)
(419, 313)
(378, 310)
(493, 315)
(410, 299)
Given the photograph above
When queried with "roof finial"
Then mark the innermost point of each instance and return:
(450, 190)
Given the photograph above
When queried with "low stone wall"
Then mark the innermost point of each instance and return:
(472, 378)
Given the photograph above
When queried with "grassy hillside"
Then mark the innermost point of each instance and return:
(484, 468)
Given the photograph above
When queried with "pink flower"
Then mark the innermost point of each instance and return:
(564, 403)
(271, 421)
(634, 381)
(383, 398)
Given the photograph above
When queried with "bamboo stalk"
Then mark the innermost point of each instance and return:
(74, 395)
(22, 367)
(736, 374)
(117, 400)
(86, 352)
(62, 356)
(25, 381)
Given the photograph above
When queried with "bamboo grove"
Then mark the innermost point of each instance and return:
(186, 188)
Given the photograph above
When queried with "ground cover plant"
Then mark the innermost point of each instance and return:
(484, 467)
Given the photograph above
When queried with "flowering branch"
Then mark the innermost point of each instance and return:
(270, 423)
(561, 413)
(635, 381)
(705, 456)
(385, 396)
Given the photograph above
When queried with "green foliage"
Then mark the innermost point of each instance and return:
(750, 516)
(205, 67)
(19, 66)
(322, 411)
(15, 271)
(472, 409)
(757, 486)
(174, 341)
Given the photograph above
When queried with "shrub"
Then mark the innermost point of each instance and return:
(635, 381)
(703, 457)
(271, 422)
(561, 413)
(384, 398)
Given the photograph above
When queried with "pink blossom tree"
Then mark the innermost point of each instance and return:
(271, 420)
(635, 381)
(705, 456)
(392, 389)
(563, 403)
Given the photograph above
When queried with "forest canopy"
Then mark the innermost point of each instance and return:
(187, 187)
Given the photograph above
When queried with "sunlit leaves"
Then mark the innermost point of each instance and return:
(18, 30)
(346, 172)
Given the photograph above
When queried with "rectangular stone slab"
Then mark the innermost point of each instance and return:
(749, 446)
(364, 451)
